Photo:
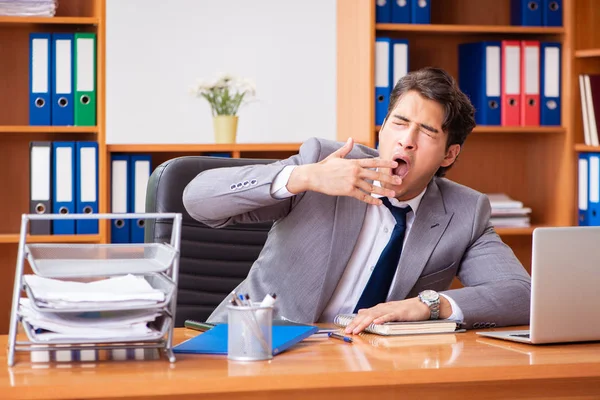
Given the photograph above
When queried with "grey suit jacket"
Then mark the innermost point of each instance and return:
(314, 234)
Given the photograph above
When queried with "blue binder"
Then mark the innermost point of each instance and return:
(479, 75)
(383, 78)
(383, 11)
(401, 11)
(140, 170)
(214, 341)
(526, 12)
(86, 200)
(62, 79)
(40, 83)
(582, 189)
(421, 11)
(63, 186)
(594, 189)
(120, 172)
(552, 13)
(550, 90)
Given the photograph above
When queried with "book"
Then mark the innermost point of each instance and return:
(403, 328)
(214, 341)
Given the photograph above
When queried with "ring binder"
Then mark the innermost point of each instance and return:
(156, 263)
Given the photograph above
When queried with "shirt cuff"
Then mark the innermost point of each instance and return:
(278, 187)
(457, 313)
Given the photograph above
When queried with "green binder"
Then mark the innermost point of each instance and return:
(85, 79)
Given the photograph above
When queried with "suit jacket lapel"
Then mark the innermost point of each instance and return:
(347, 224)
(427, 229)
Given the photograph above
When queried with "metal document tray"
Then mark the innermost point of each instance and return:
(87, 260)
(160, 327)
(156, 280)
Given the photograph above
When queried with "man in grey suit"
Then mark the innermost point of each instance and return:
(335, 249)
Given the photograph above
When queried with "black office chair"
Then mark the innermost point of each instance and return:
(212, 261)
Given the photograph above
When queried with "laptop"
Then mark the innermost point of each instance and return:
(565, 287)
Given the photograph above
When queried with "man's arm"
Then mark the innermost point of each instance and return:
(219, 197)
(497, 287)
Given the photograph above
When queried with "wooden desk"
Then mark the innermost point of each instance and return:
(440, 366)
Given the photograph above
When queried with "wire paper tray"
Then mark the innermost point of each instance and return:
(159, 327)
(87, 260)
(158, 263)
(156, 280)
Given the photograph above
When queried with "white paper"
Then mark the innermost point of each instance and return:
(111, 290)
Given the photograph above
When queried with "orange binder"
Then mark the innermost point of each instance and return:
(511, 83)
(530, 83)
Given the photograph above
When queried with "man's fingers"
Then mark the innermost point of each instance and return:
(366, 321)
(376, 163)
(370, 188)
(381, 177)
(366, 197)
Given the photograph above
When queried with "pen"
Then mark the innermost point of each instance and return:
(198, 326)
(340, 337)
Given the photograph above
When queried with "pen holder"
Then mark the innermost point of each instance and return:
(249, 333)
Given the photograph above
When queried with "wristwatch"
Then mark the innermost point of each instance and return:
(432, 299)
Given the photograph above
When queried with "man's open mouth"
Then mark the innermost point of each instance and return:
(403, 166)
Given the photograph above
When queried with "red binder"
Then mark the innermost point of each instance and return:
(530, 83)
(511, 83)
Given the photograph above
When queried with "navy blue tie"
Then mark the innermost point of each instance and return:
(378, 286)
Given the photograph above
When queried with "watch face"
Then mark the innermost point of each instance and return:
(429, 295)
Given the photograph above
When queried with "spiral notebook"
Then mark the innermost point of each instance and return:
(404, 328)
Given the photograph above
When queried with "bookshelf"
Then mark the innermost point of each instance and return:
(532, 164)
(15, 132)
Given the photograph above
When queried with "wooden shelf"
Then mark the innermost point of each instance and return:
(512, 129)
(586, 149)
(475, 29)
(202, 148)
(49, 20)
(587, 53)
(14, 238)
(47, 129)
(516, 231)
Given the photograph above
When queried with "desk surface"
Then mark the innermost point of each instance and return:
(433, 365)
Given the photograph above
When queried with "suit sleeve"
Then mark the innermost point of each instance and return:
(223, 196)
(497, 287)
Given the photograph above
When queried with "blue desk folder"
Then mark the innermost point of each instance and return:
(214, 341)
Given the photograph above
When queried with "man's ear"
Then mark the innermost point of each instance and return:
(451, 155)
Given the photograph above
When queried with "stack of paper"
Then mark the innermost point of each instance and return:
(127, 290)
(28, 8)
(89, 325)
(113, 295)
(507, 212)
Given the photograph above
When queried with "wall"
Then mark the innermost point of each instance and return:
(156, 50)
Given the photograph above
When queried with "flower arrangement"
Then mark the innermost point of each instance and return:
(226, 94)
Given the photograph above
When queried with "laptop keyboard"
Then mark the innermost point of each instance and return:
(523, 335)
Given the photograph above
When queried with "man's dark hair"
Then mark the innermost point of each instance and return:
(436, 84)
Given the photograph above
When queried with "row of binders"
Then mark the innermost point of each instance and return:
(62, 79)
(512, 82)
(403, 11)
(522, 12)
(589, 189)
(509, 82)
(589, 90)
(129, 179)
(63, 180)
(536, 12)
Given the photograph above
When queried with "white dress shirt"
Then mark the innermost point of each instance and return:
(374, 236)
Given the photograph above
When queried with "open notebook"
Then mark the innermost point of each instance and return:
(404, 328)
